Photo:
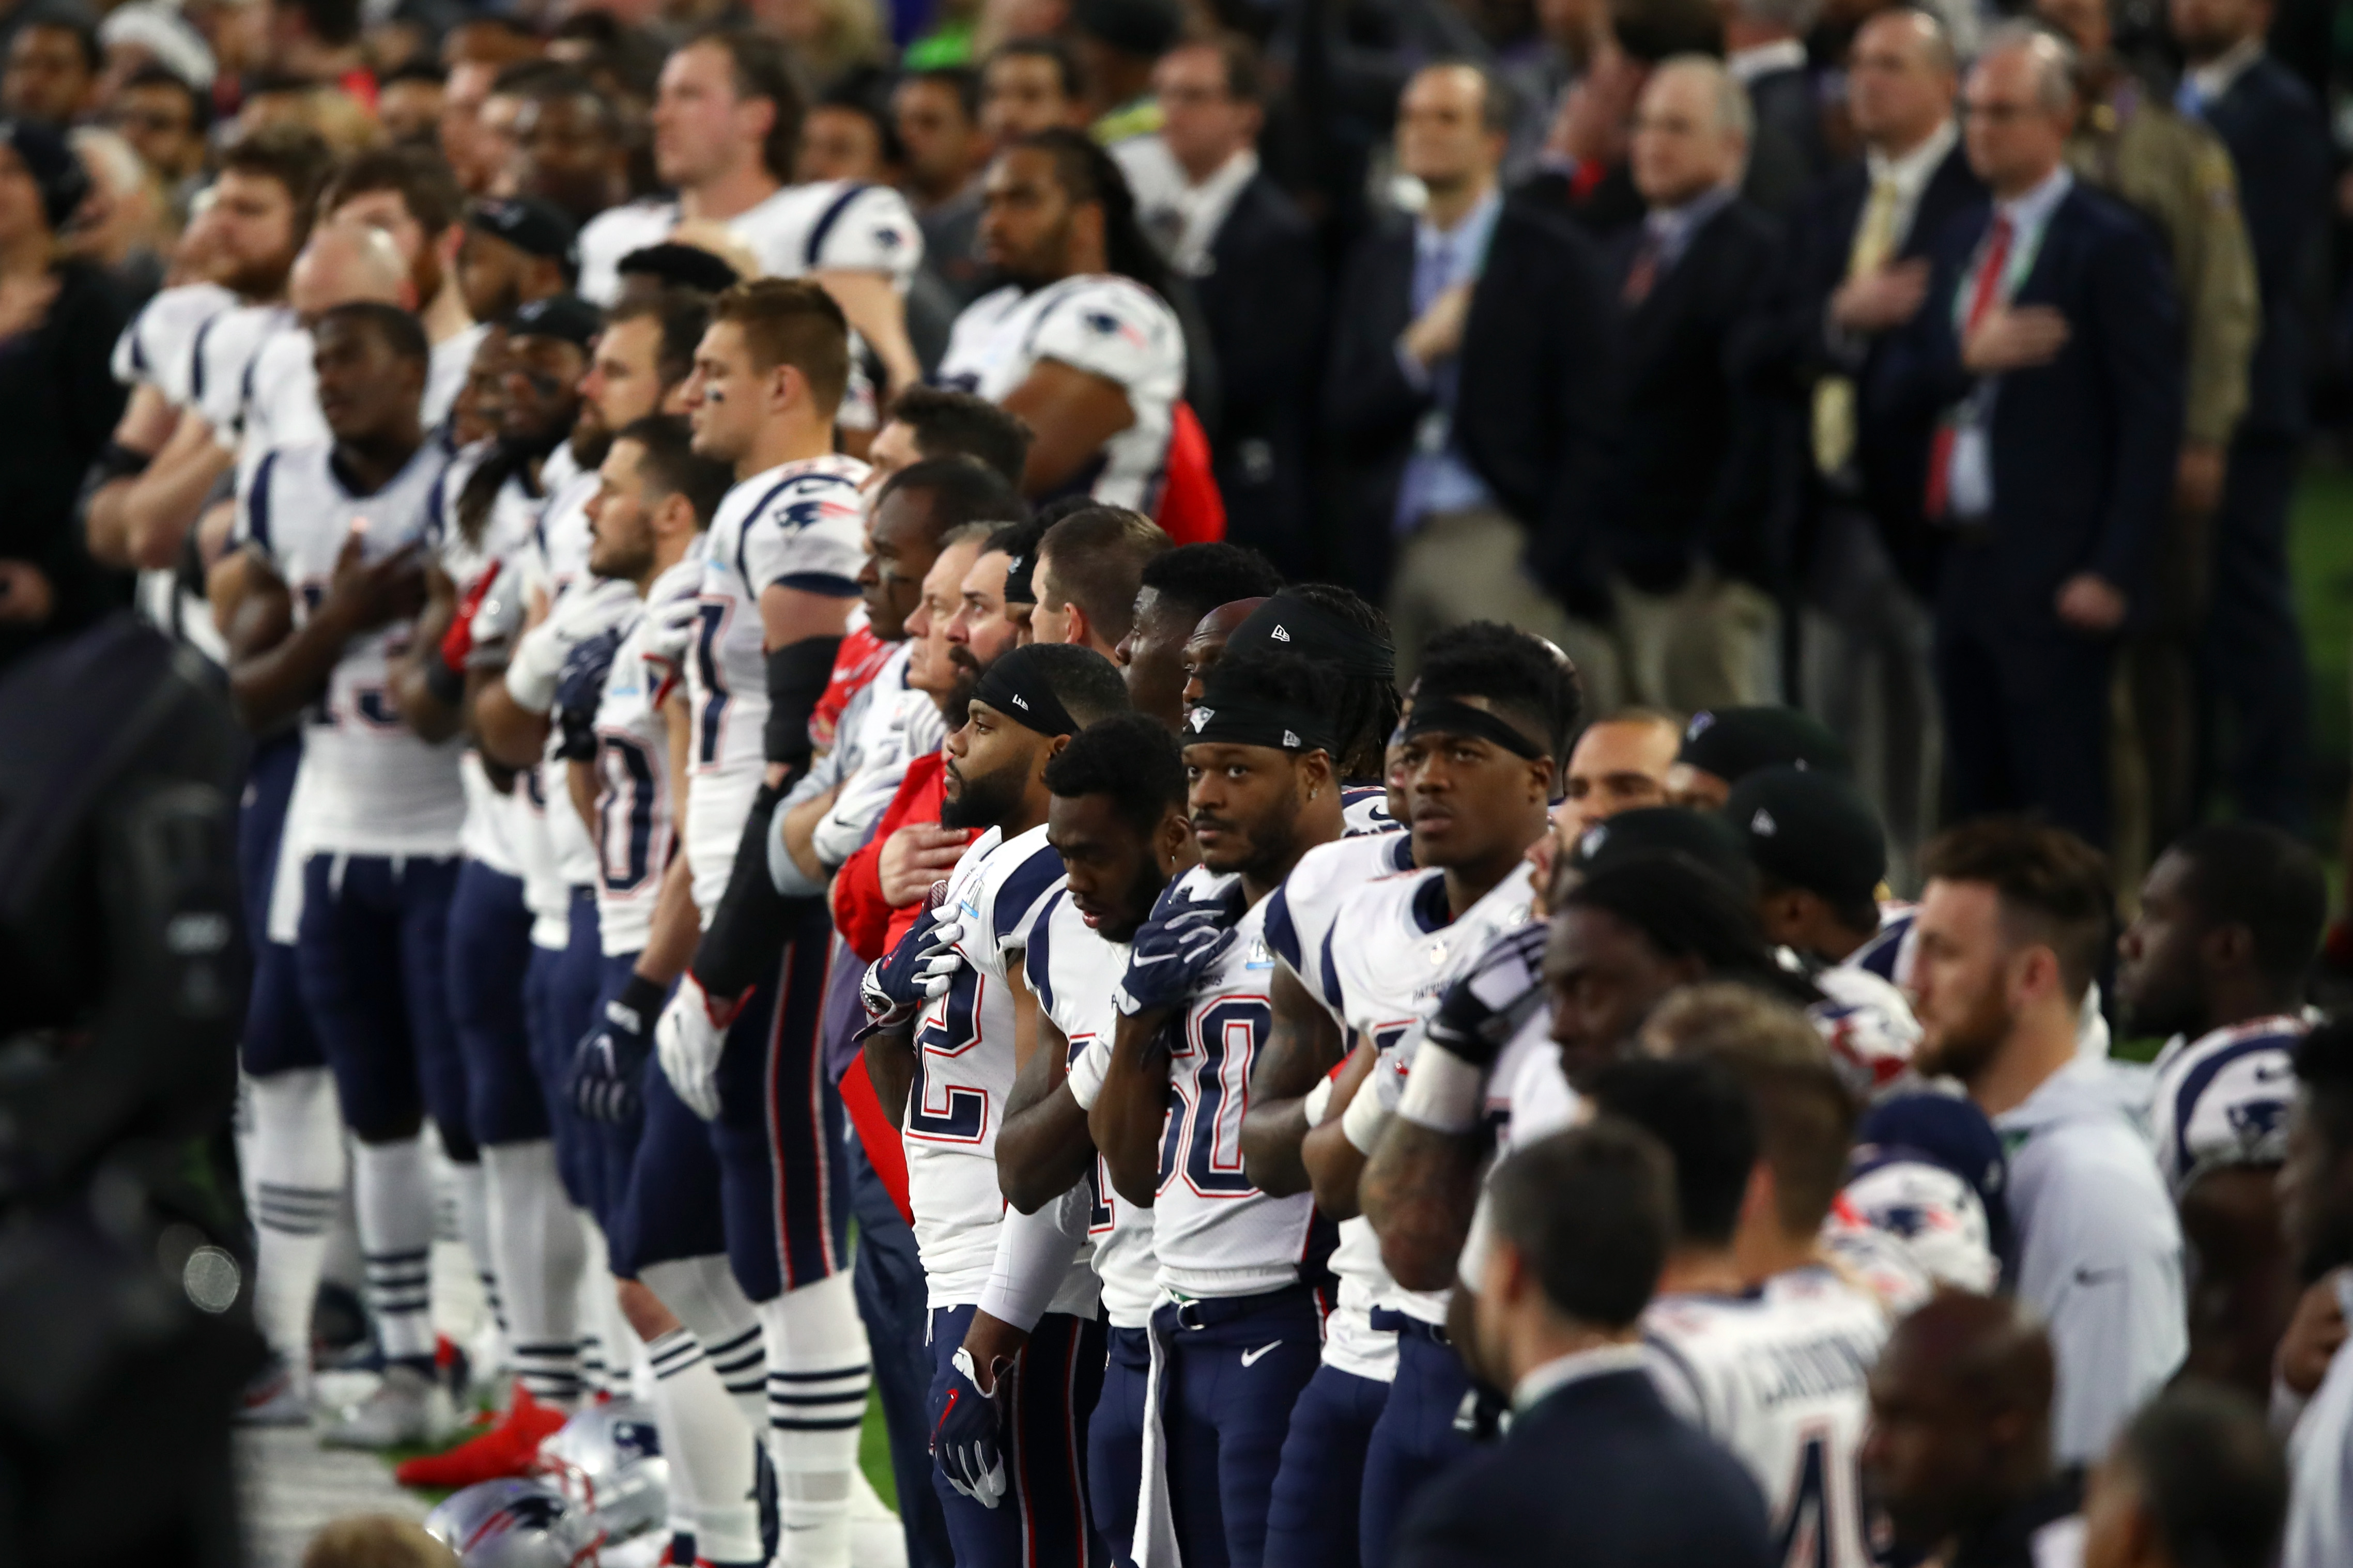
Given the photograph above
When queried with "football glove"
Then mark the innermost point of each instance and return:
(892, 991)
(689, 1040)
(941, 960)
(611, 1059)
(965, 1421)
(1175, 948)
(1481, 1012)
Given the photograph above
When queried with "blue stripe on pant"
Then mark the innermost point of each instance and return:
(1415, 1440)
(888, 1278)
(613, 1146)
(671, 1209)
(778, 1135)
(1116, 1439)
(1041, 1521)
(1234, 1369)
(1311, 1521)
(490, 950)
(278, 1035)
(373, 955)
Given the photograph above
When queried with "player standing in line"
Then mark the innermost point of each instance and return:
(337, 532)
(739, 1040)
(1492, 711)
(1117, 819)
(1018, 1354)
(1350, 638)
(1238, 1336)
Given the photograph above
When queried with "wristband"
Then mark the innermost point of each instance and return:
(1318, 1100)
(1442, 1092)
(1362, 1122)
(1086, 1077)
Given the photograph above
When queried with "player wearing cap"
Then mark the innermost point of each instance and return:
(1117, 816)
(726, 118)
(517, 249)
(1239, 1267)
(1820, 855)
(334, 533)
(1492, 714)
(2230, 916)
(1349, 638)
(1723, 746)
(954, 1020)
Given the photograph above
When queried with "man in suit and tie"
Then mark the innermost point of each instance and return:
(1595, 1469)
(2049, 350)
(1252, 257)
(2252, 655)
(1693, 564)
(1467, 393)
(1855, 272)
(1765, 51)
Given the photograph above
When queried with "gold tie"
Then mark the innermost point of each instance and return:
(1874, 242)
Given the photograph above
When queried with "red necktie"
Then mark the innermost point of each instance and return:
(1644, 272)
(1981, 299)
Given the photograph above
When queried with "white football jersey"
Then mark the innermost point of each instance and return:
(826, 225)
(1074, 970)
(586, 608)
(444, 375)
(964, 1065)
(156, 348)
(1099, 322)
(375, 788)
(2223, 1099)
(1217, 1234)
(1299, 913)
(1364, 808)
(1778, 1374)
(636, 818)
(224, 356)
(1528, 1097)
(279, 403)
(797, 525)
(1868, 1025)
(885, 726)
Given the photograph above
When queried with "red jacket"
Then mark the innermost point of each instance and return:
(870, 926)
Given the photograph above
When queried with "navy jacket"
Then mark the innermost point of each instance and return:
(2081, 450)
(1794, 338)
(1537, 362)
(1600, 1473)
(2279, 142)
(1788, 154)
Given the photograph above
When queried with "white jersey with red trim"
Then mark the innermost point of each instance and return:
(1778, 1375)
(826, 225)
(1099, 322)
(2223, 1099)
(636, 818)
(1074, 972)
(797, 525)
(1300, 913)
(1217, 1234)
(965, 1066)
(370, 786)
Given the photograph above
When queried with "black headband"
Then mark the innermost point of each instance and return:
(1222, 720)
(1290, 622)
(1020, 577)
(1456, 717)
(1028, 702)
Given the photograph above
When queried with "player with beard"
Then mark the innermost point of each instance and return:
(1238, 1267)
(1117, 818)
(409, 194)
(953, 1022)
(2230, 919)
(1492, 711)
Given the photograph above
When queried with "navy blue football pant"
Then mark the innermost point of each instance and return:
(1233, 1370)
(1415, 1440)
(489, 952)
(373, 955)
(560, 997)
(1312, 1520)
(670, 1207)
(1041, 1521)
(888, 1277)
(277, 1033)
(1115, 1440)
(613, 1146)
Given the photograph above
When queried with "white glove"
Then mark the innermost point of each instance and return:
(670, 627)
(537, 661)
(688, 1041)
(938, 969)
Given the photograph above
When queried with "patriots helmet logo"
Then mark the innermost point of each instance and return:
(1200, 719)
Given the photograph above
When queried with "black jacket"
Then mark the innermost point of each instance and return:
(2279, 142)
(1538, 352)
(1787, 155)
(1599, 1474)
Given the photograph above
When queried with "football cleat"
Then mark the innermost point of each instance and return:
(509, 1448)
(275, 1397)
(409, 1407)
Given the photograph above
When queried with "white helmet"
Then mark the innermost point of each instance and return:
(607, 1462)
(514, 1524)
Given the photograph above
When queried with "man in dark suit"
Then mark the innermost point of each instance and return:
(1765, 51)
(1256, 272)
(2253, 654)
(1466, 393)
(1693, 564)
(1595, 1469)
(1855, 270)
(2050, 350)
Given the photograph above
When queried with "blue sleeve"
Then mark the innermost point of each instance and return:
(1019, 894)
(1326, 979)
(1037, 966)
(1280, 935)
(256, 507)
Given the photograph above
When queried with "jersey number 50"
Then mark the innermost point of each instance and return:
(1211, 1074)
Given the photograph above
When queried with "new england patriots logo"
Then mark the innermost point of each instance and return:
(1110, 326)
(2256, 1120)
(886, 239)
(1200, 718)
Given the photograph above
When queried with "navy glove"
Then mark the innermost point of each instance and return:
(579, 689)
(611, 1059)
(1176, 947)
(1481, 1012)
(892, 991)
(965, 1420)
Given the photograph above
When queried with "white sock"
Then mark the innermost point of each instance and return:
(714, 1473)
(296, 1161)
(536, 1242)
(702, 1294)
(395, 1222)
(606, 1344)
(819, 1370)
(467, 1219)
